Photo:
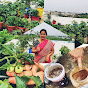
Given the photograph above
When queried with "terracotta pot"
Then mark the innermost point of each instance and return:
(1, 24)
(10, 28)
(21, 28)
(33, 18)
(54, 22)
(26, 16)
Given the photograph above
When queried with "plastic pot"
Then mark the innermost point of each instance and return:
(1, 24)
(52, 66)
(10, 28)
(26, 16)
(21, 28)
(33, 18)
(40, 11)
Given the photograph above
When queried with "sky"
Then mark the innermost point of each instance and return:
(77, 6)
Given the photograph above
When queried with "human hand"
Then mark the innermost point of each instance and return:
(38, 49)
(77, 53)
(47, 58)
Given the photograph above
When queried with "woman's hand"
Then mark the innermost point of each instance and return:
(38, 49)
(47, 58)
(77, 54)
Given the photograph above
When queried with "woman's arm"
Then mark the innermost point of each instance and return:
(34, 50)
(52, 51)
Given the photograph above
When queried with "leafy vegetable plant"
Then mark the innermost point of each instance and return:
(5, 84)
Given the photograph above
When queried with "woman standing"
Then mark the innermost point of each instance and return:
(43, 48)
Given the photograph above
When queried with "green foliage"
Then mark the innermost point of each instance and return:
(64, 50)
(58, 38)
(26, 56)
(74, 30)
(21, 22)
(48, 22)
(34, 12)
(20, 83)
(5, 36)
(16, 32)
(41, 3)
(37, 80)
(54, 56)
(33, 24)
(5, 84)
(2, 19)
(11, 20)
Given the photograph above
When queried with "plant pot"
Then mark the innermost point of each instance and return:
(1, 24)
(26, 16)
(33, 18)
(54, 22)
(76, 73)
(10, 28)
(21, 28)
(40, 11)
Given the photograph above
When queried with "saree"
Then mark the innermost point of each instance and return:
(45, 49)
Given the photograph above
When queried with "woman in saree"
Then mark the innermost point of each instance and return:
(43, 48)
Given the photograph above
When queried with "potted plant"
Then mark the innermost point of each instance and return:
(10, 22)
(54, 22)
(2, 20)
(40, 7)
(21, 23)
(34, 15)
(26, 13)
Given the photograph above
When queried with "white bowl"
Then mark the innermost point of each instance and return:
(52, 66)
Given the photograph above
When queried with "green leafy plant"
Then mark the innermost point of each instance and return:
(12, 54)
(23, 79)
(48, 22)
(64, 50)
(34, 12)
(54, 20)
(10, 20)
(5, 84)
(2, 19)
(5, 36)
(54, 56)
(33, 24)
(41, 3)
(16, 32)
(22, 22)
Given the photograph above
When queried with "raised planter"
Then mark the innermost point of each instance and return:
(33, 18)
(1, 24)
(40, 11)
(10, 28)
(22, 29)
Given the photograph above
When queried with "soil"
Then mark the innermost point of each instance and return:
(68, 62)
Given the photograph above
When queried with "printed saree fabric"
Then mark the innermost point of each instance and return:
(45, 49)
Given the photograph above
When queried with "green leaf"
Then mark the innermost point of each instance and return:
(20, 83)
(5, 84)
(37, 79)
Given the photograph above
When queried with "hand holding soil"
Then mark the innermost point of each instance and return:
(77, 54)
